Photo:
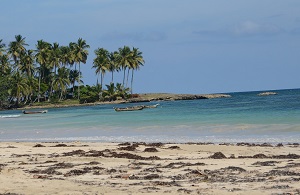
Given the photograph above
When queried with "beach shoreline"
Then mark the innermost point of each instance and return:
(148, 168)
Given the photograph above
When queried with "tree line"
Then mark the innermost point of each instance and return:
(50, 72)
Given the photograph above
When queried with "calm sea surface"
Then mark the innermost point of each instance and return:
(245, 117)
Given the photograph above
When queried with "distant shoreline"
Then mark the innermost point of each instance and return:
(144, 97)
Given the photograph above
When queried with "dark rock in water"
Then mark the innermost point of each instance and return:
(218, 155)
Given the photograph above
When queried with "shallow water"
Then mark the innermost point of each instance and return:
(245, 117)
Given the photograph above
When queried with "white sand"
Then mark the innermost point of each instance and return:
(102, 168)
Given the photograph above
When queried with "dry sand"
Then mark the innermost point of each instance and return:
(143, 168)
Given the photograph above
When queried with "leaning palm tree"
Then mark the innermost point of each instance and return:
(135, 62)
(80, 55)
(101, 63)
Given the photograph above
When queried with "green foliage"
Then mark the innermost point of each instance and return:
(4, 92)
(114, 91)
(50, 71)
(89, 94)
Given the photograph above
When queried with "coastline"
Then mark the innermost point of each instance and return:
(145, 97)
(148, 168)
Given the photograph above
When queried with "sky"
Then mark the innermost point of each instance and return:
(191, 46)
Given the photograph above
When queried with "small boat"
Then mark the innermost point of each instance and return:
(133, 108)
(35, 112)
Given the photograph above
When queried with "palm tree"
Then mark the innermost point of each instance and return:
(27, 63)
(41, 56)
(2, 47)
(61, 81)
(121, 90)
(101, 62)
(80, 55)
(113, 65)
(19, 86)
(5, 66)
(74, 77)
(54, 61)
(55, 56)
(66, 56)
(123, 59)
(135, 63)
(17, 48)
(110, 93)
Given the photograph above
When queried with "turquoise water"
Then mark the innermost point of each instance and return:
(245, 117)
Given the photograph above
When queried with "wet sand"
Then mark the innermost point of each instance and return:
(148, 168)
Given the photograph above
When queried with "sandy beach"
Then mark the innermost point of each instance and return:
(148, 168)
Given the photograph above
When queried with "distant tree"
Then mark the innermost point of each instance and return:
(123, 59)
(17, 48)
(2, 47)
(113, 65)
(41, 57)
(74, 76)
(4, 91)
(5, 66)
(19, 86)
(27, 63)
(110, 93)
(80, 53)
(101, 63)
(61, 81)
(135, 63)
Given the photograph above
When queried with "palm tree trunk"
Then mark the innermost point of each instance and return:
(127, 78)
(124, 77)
(79, 82)
(39, 86)
(101, 81)
(131, 81)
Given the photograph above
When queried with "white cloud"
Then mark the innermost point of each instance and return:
(252, 28)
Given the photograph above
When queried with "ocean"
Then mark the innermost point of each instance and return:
(244, 117)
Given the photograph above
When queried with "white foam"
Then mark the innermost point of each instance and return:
(10, 116)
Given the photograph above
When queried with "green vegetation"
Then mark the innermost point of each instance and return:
(51, 73)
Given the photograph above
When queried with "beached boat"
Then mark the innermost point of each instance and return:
(35, 112)
(133, 108)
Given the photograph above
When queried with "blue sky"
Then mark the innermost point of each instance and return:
(191, 46)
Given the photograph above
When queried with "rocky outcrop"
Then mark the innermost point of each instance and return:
(173, 97)
(267, 93)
